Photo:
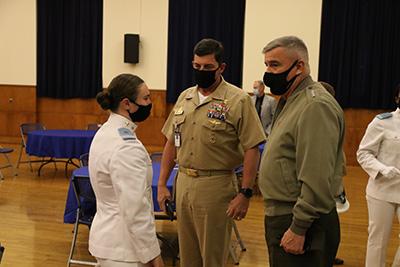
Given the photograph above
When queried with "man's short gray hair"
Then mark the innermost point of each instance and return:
(260, 83)
(293, 45)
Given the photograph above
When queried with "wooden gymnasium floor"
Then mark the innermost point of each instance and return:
(33, 233)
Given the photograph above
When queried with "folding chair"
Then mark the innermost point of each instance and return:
(83, 190)
(171, 217)
(238, 241)
(156, 157)
(84, 160)
(93, 127)
(4, 151)
(239, 175)
(25, 128)
(1, 252)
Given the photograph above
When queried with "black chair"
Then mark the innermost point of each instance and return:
(5, 151)
(156, 157)
(25, 128)
(83, 189)
(1, 252)
(84, 160)
(93, 126)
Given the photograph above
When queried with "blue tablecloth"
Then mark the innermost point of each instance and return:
(261, 152)
(62, 144)
(90, 208)
(240, 168)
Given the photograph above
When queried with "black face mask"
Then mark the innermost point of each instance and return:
(204, 78)
(141, 114)
(277, 81)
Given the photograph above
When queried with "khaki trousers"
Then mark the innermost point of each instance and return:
(204, 228)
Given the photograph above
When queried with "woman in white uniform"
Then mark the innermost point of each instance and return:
(123, 230)
(379, 156)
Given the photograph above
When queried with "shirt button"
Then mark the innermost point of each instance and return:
(194, 122)
(212, 140)
(212, 133)
(191, 153)
(192, 138)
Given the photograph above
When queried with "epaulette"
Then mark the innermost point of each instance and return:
(126, 134)
(312, 91)
(384, 116)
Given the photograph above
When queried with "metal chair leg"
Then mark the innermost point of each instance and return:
(11, 165)
(238, 241)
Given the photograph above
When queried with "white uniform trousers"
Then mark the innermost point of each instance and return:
(111, 263)
(381, 214)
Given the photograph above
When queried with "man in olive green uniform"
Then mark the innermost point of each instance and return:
(301, 167)
(212, 129)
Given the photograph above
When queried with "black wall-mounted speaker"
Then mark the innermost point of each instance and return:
(131, 48)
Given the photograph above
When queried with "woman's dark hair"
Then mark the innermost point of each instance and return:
(122, 86)
(210, 47)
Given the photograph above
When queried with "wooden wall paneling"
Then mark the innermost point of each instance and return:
(77, 113)
(69, 113)
(21, 109)
(357, 121)
(149, 131)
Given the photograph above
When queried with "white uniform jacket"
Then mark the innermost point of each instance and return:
(268, 107)
(121, 173)
(380, 147)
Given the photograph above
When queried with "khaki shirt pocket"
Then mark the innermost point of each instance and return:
(212, 131)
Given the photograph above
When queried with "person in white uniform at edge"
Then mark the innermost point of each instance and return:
(123, 230)
(379, 156)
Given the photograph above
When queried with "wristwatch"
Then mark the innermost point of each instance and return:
(247, 192)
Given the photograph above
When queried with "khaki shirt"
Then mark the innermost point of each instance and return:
(215, 134)
(302, 164)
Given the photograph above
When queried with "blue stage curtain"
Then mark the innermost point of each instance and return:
(69, 48)
(192, 20)
(359, 53)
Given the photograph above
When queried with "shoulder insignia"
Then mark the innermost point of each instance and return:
(126, 134)
(384, 116)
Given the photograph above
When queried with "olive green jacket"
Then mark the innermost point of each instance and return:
(301, 167)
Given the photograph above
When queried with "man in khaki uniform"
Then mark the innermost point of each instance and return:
(301, 167)
(212, 129)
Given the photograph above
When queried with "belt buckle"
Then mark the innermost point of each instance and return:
(191, 172)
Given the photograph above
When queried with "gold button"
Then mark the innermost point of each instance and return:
(212, 140)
